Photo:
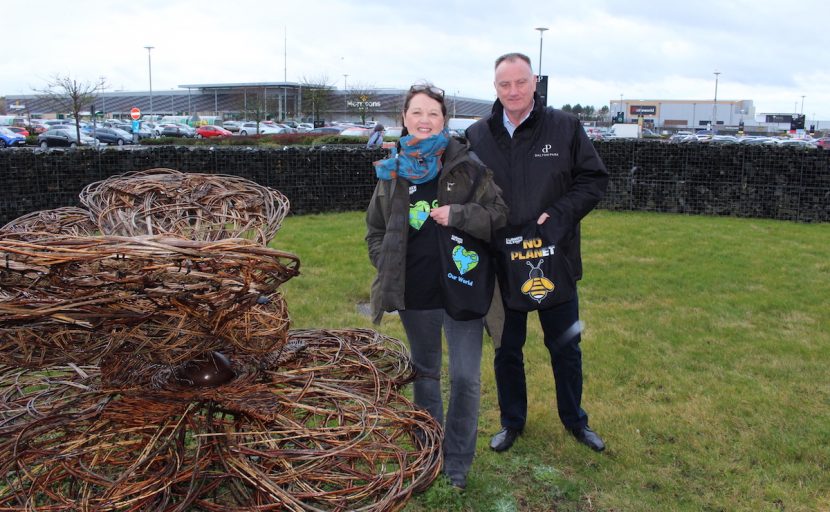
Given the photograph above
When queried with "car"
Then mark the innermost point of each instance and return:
(9, 138)
(250, 128)
(823, 142)
(173, 130)
(305, 127)
(19, 130)
(356, 132)
(63, 136)
(210, 130)
(326, 130)
(798, 143)
(232, 126)
(113, 136)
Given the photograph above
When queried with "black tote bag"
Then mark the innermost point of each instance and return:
(533, 272)
(468, 274)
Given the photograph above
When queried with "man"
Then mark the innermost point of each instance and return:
(549, 173)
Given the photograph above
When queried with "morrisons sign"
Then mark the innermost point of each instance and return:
(363, 104)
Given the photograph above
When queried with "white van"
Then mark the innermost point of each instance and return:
(458, 125)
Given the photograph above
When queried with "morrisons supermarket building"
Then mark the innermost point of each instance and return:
(266, 100)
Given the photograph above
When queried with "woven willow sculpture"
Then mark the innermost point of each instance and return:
(146, 364)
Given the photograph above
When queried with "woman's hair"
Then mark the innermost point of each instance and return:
(431, 91)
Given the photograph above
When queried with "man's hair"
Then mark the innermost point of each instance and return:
(512, 57)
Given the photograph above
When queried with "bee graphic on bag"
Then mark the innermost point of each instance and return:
(537, 285)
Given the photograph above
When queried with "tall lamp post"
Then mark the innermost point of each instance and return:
(103, 100)
(802, 103)
(715, 105)
(150, 70)
(541, 32)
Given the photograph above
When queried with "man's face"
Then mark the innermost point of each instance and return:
(515, 85)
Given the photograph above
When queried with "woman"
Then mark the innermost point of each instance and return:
(419, 189)
(376, 139)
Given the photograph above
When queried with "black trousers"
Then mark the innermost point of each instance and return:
(561, 328)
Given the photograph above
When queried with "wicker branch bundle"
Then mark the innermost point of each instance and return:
(65, 221)
(168, 298)
(195, 206)
(296, 440)
(151, 368)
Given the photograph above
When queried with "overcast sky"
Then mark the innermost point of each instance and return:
(772, 52)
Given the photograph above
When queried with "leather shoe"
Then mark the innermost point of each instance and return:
(589, 438)
(504, 439)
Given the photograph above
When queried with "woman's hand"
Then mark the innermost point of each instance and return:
(441, 215)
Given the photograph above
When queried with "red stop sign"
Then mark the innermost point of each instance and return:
(135, 113)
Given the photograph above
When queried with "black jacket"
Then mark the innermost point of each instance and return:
(549, 165)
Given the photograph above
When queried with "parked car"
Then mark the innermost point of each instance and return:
(210, 130)
(250, 128)
(232, 126)
(113, 136)
(63, 137)
(356, 132)
(19, 130)
(9, 138)
(305, 127)
(174, 130)
(823, 142)
(327, 130)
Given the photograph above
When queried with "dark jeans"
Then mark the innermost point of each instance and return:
(561, 328)
(464, 341)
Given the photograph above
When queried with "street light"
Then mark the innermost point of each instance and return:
(802, 103)
(541, 31)
(103, 100)
(715, 105)
(150, 70)
(345, 76)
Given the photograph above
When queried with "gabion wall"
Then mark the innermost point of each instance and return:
(736, 180)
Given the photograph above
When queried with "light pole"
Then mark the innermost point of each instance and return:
(715, 105)
(541, 31)
(621, 107)
(150, 71)
(103, 100)
(802, 103)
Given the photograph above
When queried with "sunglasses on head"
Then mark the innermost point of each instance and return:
(431, 88)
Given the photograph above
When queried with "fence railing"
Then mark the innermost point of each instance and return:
(743, 181)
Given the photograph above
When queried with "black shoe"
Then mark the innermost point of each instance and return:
(504, 439)
(589, 438)
(458, 481)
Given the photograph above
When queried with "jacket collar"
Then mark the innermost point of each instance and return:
(496, 121)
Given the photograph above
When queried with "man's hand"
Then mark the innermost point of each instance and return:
(542, 218)
(441, 215)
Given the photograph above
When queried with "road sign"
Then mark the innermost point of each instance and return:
(135, 113)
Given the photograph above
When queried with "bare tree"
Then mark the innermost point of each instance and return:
(362, 98)
(316, 93)
(69, 95)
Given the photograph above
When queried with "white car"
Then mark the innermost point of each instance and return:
(305, 127)
(250, 128)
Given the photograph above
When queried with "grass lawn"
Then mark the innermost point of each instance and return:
(706, 355)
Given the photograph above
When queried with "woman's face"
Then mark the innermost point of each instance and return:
(424, 117)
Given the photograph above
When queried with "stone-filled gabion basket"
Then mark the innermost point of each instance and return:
(146, 363)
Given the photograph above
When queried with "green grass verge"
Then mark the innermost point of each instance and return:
(706, 353)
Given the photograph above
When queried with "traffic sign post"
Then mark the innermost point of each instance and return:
(135, 113)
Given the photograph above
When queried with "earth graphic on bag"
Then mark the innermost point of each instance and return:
(464, 260)
(418, 214)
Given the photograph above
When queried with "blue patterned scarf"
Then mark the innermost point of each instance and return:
(418, 161)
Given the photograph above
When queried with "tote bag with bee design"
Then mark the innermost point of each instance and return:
(533, 272)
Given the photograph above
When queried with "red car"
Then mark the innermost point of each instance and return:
(823, 142)
(209, 130)
(20, 131)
